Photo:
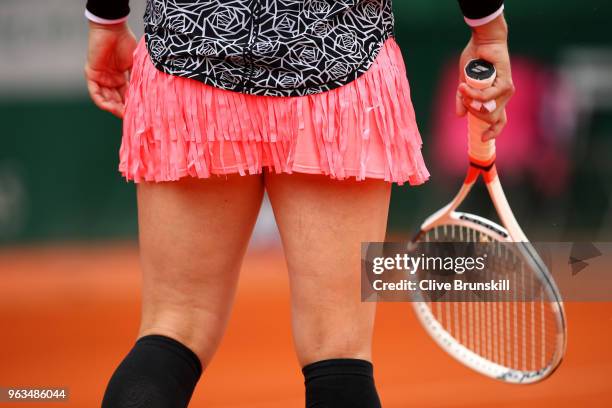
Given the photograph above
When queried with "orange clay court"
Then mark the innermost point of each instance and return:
(70, 313)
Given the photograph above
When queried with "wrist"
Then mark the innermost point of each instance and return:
(105, 21)
(494, 31)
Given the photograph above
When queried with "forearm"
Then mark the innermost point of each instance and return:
(107, 11)
(486, 19)
(480, 12)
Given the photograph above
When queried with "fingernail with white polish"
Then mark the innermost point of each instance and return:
(476, 104)
(490, 105)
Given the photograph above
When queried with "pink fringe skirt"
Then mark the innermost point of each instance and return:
(175, 127)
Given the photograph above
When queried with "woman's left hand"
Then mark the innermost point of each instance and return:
(489, 42)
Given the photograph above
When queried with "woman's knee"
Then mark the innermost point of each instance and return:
(328, 332)
(197, 330)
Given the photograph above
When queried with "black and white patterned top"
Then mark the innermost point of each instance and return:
(265, 47)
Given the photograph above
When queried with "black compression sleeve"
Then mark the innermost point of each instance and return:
(475, 9)
(109, 9)
(340, 383)
(158, 372)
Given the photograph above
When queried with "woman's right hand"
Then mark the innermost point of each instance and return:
(490, 42)
(109, 62)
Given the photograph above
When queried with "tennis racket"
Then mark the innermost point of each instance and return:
(518, 340)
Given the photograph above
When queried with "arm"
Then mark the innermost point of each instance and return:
(480, 12)
(109, 56)
(107, 11)
(489, 40)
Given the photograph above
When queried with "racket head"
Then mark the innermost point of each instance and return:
(515, 341)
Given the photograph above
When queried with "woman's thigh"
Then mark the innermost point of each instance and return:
(193, 234)
(322, 223)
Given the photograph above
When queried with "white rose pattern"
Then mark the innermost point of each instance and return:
(268, 47)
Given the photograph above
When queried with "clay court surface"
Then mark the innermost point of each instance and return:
(69, 313)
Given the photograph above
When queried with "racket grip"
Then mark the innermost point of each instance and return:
(479, 74)
(477, 149)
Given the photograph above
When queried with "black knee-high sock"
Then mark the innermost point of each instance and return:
(158, 372)
(340, 383)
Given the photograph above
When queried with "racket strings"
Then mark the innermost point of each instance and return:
(515, 329)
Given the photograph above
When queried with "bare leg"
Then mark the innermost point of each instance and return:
(322, 224)
(193, 236)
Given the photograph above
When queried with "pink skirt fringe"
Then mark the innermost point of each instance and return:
(175, 127)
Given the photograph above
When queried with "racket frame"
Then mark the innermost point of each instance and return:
(510, 232)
